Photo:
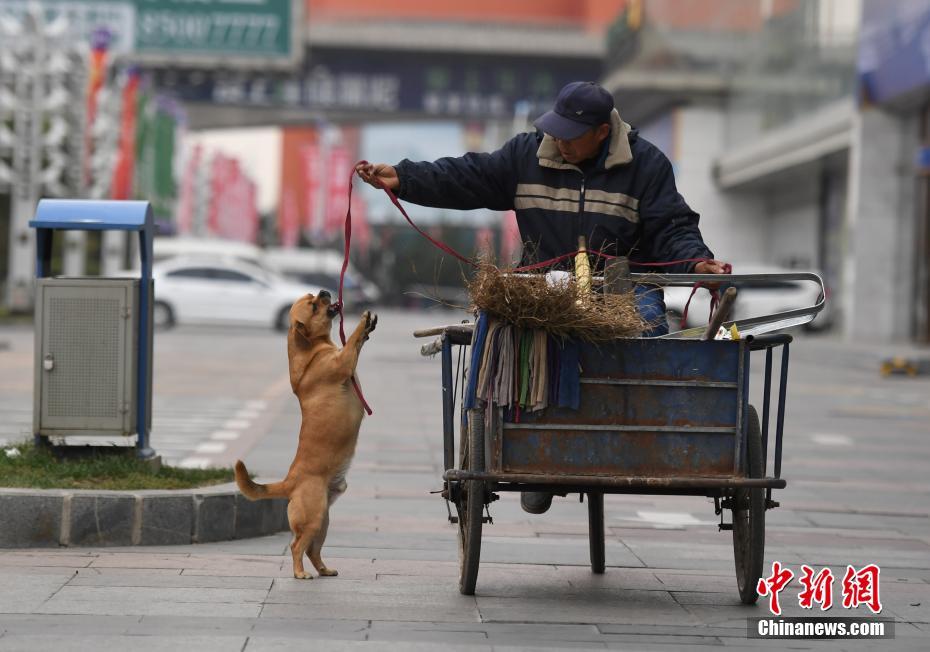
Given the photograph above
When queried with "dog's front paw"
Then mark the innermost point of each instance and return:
(302, 575)
(371, 321)
(327, 572)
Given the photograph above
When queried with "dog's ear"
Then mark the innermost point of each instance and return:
(301, 329)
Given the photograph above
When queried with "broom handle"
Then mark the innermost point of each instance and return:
(723, 310)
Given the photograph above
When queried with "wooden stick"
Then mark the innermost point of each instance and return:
(439, 330)
(723, 310)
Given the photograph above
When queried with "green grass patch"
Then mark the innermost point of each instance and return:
(7, 317)
(40, 468)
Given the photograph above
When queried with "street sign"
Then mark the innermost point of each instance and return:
(234, 33)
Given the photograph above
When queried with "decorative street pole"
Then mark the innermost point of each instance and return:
(40, 83)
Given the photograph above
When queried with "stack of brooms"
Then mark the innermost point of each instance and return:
(568, 308)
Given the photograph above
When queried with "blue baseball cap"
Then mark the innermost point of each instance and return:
(579, 107)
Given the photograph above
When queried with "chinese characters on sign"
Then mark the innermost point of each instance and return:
(347, 81)
(859, 587)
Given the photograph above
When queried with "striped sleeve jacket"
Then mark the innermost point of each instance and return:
(625, 203)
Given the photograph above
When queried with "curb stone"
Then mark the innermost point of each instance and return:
(34, 518)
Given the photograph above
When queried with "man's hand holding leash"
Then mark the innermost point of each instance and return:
(378, 175)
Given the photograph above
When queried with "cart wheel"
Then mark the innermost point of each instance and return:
(596, 531)
(749, 518)
(471, 503)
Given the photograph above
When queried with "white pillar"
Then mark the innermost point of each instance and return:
(879, 251)
(22, 251)
(75, 253)
(113, 252)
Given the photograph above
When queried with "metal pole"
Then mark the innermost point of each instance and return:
(143, 369)
(780, 421)
(448, 424)
(766, 400)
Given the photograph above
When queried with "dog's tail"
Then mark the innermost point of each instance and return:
(255, 491)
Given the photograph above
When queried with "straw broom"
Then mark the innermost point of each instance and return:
(565, 310)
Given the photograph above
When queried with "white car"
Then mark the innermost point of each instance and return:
(323, 267)
(760, 298)
(164, 247)
(212, 290)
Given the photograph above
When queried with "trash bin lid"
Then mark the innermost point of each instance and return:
(93, 215)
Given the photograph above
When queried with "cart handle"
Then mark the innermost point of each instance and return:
(752, 325)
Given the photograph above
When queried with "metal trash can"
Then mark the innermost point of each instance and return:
(93, 335)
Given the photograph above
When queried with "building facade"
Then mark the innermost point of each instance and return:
(797, 131)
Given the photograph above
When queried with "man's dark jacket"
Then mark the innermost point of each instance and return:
(624, 203)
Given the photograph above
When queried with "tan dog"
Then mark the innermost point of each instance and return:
(321, 377)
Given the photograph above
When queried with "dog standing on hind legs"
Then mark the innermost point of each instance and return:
(331, 413)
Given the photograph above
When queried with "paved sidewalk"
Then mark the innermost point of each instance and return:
(858, 493)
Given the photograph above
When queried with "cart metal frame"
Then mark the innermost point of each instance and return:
(735, 477)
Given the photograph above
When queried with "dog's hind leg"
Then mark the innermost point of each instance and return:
(316, 546)
(306, 513)
(337, 487)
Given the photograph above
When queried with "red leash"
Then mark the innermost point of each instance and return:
(342, 276)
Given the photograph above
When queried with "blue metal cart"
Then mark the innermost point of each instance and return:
(656, 416)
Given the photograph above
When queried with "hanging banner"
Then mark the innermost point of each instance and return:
(121, 188)
(361, 229)
(310, 158)
(232, 214)
(510, 239)
(484, 241)
(219, 184)
(185, 210)
(96, 75)
(295, 142)
(288, 220)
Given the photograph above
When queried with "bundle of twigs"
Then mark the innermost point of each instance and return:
(528, 301)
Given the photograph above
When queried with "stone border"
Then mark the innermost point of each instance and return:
(31, 518)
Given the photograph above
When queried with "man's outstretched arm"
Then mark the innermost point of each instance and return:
(465, 182)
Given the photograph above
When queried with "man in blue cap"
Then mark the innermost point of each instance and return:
(584, 172)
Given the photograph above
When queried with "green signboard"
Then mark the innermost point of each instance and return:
(241, 28)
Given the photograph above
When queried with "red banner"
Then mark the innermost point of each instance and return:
(313, 201)
(126, 155)
(510, 239)
(484, 241)
(232, 213)
(297, 148)
(95, 78)
(186, 195)
(361, 229)
(289, 219)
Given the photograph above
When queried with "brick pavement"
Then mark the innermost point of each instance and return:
(669, 583)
